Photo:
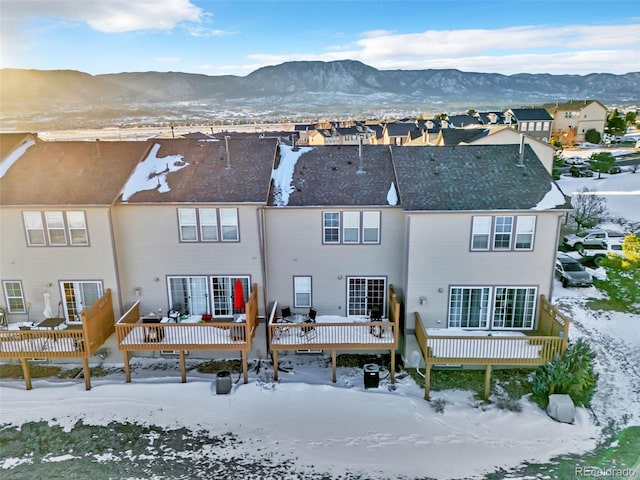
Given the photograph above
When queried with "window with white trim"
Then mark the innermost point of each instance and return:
(480, 233)
(497, 233)
(224, 293)
(351, 227)
(301, 291)
(14, 296)
(502, 230)
(56, 228)
(208, 224)
(370, 227)
(78, 295)
(331, 227)
(469, 307)
(525, 229)
(514, 308)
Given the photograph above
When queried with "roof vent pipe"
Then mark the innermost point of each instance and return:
(360, 163)
(521, 152)
(226, 147)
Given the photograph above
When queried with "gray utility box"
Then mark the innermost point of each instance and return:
(223, 382)
(371, 375)
(561, 408)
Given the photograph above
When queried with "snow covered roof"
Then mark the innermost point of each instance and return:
(235, 170)
(332, 175)
(471, 177)
(70, 173)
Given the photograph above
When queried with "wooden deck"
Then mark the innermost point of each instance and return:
(133, 336)
(350, 334)
(495, 348)
(82, 343)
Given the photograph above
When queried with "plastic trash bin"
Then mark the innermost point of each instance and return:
(223, 382)
(371, 375)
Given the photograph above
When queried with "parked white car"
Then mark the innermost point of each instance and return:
(575, 160)
(595, 254)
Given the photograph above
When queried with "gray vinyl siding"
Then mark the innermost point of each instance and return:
(439, 257)
(37, 267)
(149, 250)
(294, 243)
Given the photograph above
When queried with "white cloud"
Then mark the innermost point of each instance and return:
(573, 49)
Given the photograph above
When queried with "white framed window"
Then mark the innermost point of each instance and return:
(502, 231)
(34, 227)
(480, 233)
(302, 291)
(365, 294)
(539, 126)
(331, 227)
(351, 227)
(545, 126)
(525, 229)
(370, 227)
(514, 308)
(223, 292)
(229, 225)
(56, 228)
(188, 295)
(208, 224)
(77, 228)
(469, 307)
(14, 297)
(78, 295)
(524, 126)
(188, 224)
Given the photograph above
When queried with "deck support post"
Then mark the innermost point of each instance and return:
(427, 380)
(392, 373)
(333, 364)
(275, 364)
(487, 382)
(26, 372)
(127, 367)
(245, 366)
(87, 373)
(183, 367)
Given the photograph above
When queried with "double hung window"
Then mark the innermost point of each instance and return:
(351, 227)
(497, 232)
(208, 224)
(302, 291)
(56, 228)
(14, 296)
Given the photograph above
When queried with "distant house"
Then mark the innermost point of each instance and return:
(303, 130)
(463, 121)
(535, 122)
(572, 119)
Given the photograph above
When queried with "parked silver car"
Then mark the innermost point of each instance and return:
(571, 272)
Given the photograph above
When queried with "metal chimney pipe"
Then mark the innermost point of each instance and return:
(226, 147)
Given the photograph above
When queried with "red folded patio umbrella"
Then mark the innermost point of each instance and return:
(238, 297)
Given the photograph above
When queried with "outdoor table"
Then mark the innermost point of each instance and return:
(51, 323)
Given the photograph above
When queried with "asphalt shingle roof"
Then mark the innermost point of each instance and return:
(70, 173)
(526, 114)
(471, 177)
(329, 176)
(206, 178)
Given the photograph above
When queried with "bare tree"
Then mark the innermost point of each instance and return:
(588, 208)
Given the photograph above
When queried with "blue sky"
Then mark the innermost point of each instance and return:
(217, 37)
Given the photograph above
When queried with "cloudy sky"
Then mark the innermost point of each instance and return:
(216, 37)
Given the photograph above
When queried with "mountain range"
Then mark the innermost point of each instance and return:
(308, 86)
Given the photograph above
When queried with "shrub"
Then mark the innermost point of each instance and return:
(623, 275)
(572, 375)
(592, 136)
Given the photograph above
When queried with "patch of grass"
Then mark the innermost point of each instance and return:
(514, 383)
(618, 452)
(607, 304)
(14, 370)
(359, 361)
(215, 366)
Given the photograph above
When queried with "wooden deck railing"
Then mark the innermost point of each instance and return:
(182, 337)
(526, 350)
(97, 326)
(336, 335)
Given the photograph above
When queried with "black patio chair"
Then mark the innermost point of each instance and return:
(309, 329)
(376, 316)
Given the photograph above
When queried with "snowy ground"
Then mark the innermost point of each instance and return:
(343, 430)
